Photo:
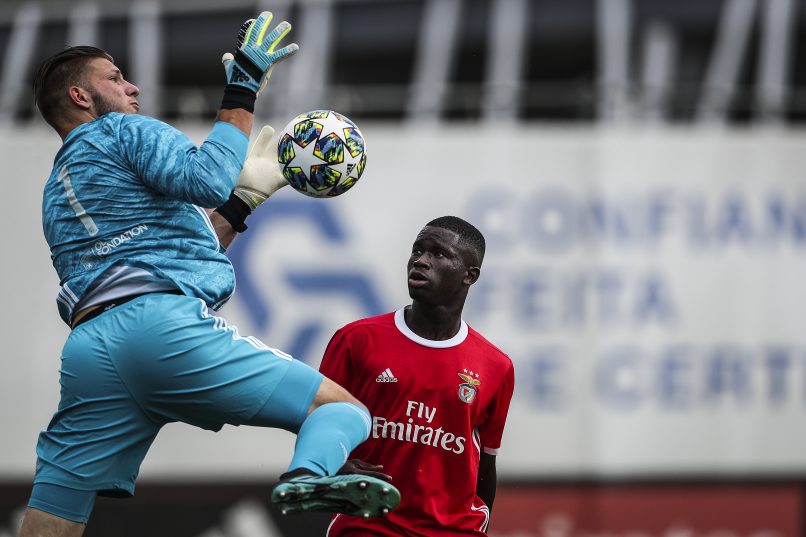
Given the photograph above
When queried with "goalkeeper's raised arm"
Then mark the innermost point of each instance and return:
(248, 69)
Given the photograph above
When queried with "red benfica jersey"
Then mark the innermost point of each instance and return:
(435, 405)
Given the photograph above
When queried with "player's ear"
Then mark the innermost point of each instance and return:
(472, 275)
(79, 97)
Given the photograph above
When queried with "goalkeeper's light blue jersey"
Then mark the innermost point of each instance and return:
(128, 191)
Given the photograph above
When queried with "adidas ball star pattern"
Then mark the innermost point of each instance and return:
(322, 153)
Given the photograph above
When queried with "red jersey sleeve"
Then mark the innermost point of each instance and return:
(491, 431)
(336, 363)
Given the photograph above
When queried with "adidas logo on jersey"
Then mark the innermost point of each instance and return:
(386, 376)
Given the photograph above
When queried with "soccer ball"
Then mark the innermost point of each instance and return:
(322, 153)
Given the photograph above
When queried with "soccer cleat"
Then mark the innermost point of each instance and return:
(352, 494)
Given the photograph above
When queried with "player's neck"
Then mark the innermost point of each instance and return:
(73, 121)
(433, 322)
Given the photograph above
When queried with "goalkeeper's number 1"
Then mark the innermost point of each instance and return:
(82, 215)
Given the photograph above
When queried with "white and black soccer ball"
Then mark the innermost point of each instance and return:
(322, 153)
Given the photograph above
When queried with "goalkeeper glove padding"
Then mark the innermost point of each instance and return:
(261, 175)
(248, 70)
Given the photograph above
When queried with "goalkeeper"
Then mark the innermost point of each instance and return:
(142, 269)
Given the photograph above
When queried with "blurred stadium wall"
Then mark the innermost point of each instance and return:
(637, 168)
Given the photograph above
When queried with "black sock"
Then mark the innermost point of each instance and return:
(297, 472)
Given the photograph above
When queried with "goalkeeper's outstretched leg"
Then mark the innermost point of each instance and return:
(319, 477)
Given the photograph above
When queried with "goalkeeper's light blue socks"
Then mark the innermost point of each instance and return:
(328, 435)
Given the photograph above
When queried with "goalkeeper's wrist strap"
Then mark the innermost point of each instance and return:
(238, 97)
(235, 211)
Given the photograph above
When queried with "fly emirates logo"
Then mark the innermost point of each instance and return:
(418, 429)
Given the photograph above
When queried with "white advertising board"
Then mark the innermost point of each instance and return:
(648, 285)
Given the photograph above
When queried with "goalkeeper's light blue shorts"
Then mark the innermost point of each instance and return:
(157, 359)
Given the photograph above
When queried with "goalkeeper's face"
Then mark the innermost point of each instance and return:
(109, 91)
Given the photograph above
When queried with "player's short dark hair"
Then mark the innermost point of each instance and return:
(57, 73)
(469, 236)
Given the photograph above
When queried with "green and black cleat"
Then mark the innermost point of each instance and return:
(352, 494)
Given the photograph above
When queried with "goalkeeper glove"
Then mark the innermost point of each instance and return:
(261, 176)
(248, 70)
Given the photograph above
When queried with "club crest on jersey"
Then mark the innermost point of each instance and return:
(467, 389)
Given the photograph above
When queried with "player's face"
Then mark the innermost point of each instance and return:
(439, 272)
(110, 92)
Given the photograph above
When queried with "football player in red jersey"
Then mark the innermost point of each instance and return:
(438, 391)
